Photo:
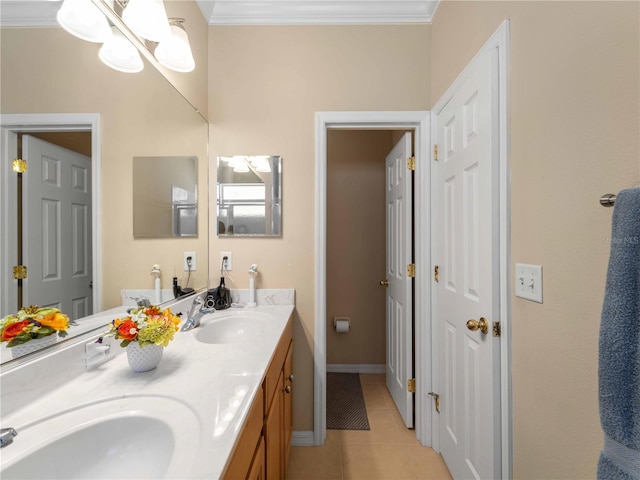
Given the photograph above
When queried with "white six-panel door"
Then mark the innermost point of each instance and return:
(466, 237)
(57, 228)
(399, 314)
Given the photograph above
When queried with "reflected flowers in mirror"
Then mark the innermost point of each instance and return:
(33, 323)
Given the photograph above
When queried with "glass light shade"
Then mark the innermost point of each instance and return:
(174, 52)
(147, 19)
(84, 20)
(239, 164)
(120, 54)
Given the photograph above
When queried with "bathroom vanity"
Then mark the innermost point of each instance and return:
(217, 406)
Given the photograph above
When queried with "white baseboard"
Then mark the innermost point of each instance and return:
(302, 439)
(361, 368)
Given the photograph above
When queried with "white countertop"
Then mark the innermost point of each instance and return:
(217, 382)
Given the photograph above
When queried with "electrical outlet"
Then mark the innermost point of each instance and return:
(529, 282)
(227, 264)
(187, 256)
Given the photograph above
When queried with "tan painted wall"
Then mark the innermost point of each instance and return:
(265, 85)
(574, 136)
(356, 231)
(141, 115)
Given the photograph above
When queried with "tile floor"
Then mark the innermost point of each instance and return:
(388, 451)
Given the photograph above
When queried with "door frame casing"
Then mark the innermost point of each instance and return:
(49, 122)
(498, 45)
(419, 122)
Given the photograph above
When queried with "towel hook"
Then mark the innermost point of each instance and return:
(608, 200)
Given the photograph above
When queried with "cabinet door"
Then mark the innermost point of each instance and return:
(287, 420)
(257, 470)
(273, 434)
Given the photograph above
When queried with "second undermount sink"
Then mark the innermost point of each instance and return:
(132, 437)
(232, 328)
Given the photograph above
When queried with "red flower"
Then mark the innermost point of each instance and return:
(13, 330)
(128, 330)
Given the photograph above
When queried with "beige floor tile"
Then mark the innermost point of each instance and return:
(376, 462)
(315, 463)
(372, 378)
(376, 396)
(384, 431)
(427, 464)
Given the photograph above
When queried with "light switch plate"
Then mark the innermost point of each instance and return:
(529, 282)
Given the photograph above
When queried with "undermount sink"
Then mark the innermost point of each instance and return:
(236, 327)
(133, 437)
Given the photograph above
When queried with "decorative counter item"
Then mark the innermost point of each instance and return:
(33, 328)
(145, 333)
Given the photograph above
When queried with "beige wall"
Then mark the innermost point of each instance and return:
(265, 85)
(356, 231)
(574, 136)
(47, 70)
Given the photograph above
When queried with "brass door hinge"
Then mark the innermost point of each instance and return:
(496, 329)
(19, 272)
(411, 385)
(411, 163)
(19, 165)
(435, 152)
(411, 270)
(436, 397)
(436, 273)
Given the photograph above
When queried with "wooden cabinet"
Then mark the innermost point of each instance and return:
(262, 449)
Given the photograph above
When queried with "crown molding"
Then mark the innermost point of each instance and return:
(317, 12)
(28, 13)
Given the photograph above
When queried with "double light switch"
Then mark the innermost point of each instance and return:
(529, 282)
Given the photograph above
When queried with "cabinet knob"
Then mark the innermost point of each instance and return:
(290, 378)
(287, 389)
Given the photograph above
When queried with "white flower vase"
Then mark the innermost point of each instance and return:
(143, 359)
(33, 345)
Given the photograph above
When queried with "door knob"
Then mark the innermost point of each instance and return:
(287, 389)
(481, 325)
(290, 378)
(384, 283)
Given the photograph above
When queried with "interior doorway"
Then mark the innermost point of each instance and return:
(68, 130)
(418, 122)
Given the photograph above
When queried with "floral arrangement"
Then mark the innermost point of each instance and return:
(147, 326)
(31, 323)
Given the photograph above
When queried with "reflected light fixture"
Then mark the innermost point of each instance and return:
(239, 164)
(147, 19)
(84, 20)
(174, 51)
(120, 54)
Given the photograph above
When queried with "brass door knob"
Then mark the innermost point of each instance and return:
(384, 283)
(481, 325)
(287, 389)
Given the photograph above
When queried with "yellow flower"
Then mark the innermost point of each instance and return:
(57, 321)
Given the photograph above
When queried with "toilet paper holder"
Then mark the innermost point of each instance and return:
(341, 320)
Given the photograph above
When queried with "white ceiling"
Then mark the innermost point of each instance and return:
(257, 12)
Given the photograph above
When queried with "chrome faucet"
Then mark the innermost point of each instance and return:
(6, 436)
(195, 314)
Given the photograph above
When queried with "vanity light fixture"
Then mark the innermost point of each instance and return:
(174, 51)
(120, 54)
(84, 20)
(260, 164)
(145, 18)
(239, 164)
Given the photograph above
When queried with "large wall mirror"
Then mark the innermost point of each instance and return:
(249, 196)
(133, 115)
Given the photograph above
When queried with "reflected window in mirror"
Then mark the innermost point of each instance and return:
(165, 197)
(249, 193)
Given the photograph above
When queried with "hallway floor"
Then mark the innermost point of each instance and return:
(388, 451)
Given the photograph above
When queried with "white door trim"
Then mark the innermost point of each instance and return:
(419, 121)
(60, 122)
(499, 42)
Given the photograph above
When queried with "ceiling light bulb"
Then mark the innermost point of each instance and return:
(84, 20)
(147, 19)
(120, 54)
(174, 52)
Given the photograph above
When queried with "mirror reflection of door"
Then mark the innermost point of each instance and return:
(55, 233)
